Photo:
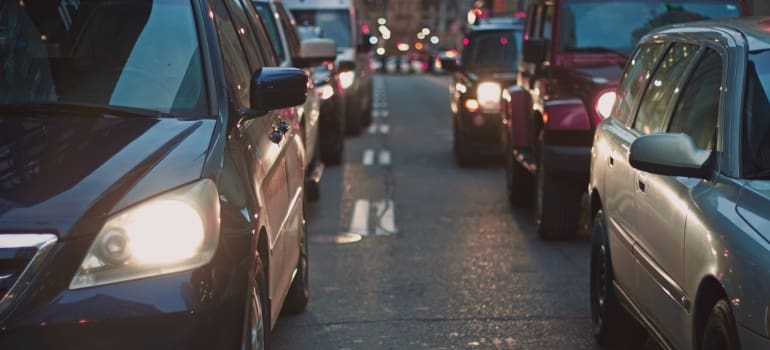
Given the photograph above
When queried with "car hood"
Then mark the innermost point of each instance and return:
(67, 174)
(752, 206)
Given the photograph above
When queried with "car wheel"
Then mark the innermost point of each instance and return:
(353, 123)
(720, 332)
(611, 324)
(459, 148)
(557, 203)
(518, 182)
(256, 323)
(299, 292)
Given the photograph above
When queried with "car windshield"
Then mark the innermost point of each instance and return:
(492, 51)
(140, 54)
(334, 23)
(757, 115)
(618, 26)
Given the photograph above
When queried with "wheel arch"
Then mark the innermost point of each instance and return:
(710, 291)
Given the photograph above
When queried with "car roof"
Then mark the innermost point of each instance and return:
(497, 25)
(755, 30)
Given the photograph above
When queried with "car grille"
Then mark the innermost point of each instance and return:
(20, 257)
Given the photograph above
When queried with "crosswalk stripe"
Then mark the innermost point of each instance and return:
(359, 223)
(368, 157)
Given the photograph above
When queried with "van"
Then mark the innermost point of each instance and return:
(337, 19)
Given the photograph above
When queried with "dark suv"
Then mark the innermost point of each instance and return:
(151, 176)
(573, 56)
(489, 62)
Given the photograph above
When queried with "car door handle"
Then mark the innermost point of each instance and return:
(612, 161)
(642, 186)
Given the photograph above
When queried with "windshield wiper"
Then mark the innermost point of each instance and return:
(598, 49)
(78, 109)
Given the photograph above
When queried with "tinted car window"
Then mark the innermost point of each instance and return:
(492, 51)
(757, 113)
(588, 25)
(233, 55)
(268, 17)
(698, 108)
(635, 78)
(661, 88)
(335, 23)
(288, 28)
(140, 54)
(247, 36)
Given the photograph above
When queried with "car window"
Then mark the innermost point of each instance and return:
(288, 28)
(336, 24)
(638, 71)
(266, 46)
(235, 61)
(125, 53)
(756, 128)
(548, 30)
(268, 17)
(661, 88)
(246, 34)
(493, 51)
(698, 107)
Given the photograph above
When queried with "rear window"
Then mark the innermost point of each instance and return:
(493, 51)
(757, 114)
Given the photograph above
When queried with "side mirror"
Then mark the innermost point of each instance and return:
(670, 155)
(315, 51)
(533, 50)
(276, 88)
(346, 66)
(365, 45)
(449, 64)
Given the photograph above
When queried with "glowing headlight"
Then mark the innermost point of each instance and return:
(605, 102)
(173, 232)
(347, 78)
(488, 94)
(324, 92)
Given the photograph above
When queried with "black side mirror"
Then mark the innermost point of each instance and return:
(365, 45)
(276, 88)
(449, 64)
(533, 50)
(670, 155)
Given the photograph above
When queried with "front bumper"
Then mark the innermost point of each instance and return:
(481, 131)
(201, 308)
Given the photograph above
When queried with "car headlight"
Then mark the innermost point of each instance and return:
(173, 232)
(605, 102)
(488, 94)
(347, 78)
(324, 92)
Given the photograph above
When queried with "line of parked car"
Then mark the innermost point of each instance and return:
(652, 122)
(155, 161)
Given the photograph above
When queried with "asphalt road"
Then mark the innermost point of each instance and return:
(409, 251)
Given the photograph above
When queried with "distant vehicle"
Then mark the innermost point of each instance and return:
(332, 118)
(289, 49)
(680, 191)
(403, 64)
(489, 62)
(339, 21)
(151, 177)
(571, 62)
(391, 64)
(443, 55)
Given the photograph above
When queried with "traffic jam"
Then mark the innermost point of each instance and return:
(385, 174)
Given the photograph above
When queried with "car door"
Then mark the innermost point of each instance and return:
(612, 159)
(266, 159)
(661, 201)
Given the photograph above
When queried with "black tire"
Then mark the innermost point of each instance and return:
(333, 154)
(256, 322)
(720, 332)
(612, 325)
(459, 148)
(557, 203)
(353, 123)
(519, 183)
(299, 292)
